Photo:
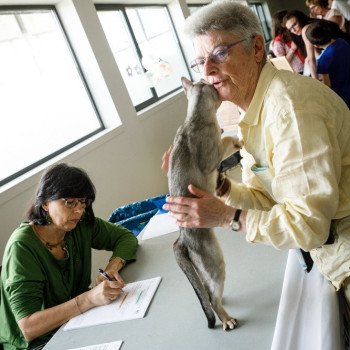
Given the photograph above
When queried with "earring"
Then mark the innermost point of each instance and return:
(48, 218)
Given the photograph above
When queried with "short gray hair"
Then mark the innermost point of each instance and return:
(223, 15)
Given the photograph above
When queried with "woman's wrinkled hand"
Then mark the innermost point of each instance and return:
(204, 211)
(104, 293)
(112, 270)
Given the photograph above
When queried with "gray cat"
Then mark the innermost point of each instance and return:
(197, 151)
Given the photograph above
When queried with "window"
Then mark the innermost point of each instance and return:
(45, 105)
(258, 8)
(146, 49)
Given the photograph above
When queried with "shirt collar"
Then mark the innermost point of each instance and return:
(251, 116)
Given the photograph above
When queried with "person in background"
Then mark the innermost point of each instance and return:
(46, 268)
(297, 22)
(295, 186)
(343, 6)
(336, 31)
(334, 63)
(319, 9)
(283, 45)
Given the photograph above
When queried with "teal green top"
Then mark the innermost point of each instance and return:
(32, 279)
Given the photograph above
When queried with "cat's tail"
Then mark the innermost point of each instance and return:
(183, 260)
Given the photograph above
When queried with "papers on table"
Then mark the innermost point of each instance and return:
(131, 304)
(281, 63)
(105, 346)
(160, 224)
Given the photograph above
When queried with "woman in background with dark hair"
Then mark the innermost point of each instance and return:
(283, 43)
(297, 22)
(46, 269)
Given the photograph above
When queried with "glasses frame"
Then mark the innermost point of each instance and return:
(293, 26)
(84, 202)
(223, 50)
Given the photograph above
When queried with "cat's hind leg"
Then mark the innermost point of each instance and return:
(212, 273)
(183, 260)
(228, 322)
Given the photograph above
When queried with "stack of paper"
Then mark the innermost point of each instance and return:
(160, 224)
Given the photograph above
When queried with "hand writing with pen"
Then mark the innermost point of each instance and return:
(109, 281)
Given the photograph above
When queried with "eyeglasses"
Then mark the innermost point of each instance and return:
(217, 56)
(292, 27)
(72, 203)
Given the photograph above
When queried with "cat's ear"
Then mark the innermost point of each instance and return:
(187, 84)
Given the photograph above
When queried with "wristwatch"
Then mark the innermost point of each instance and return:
(235, 224)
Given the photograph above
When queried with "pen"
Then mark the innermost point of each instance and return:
(105, 275)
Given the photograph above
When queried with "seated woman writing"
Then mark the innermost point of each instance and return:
(46, 269)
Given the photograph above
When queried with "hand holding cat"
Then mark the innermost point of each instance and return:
(205, 211)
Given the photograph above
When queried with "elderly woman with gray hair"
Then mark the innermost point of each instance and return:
(295, 185)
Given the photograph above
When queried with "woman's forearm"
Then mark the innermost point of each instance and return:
(44, 321)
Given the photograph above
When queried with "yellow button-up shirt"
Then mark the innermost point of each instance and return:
(296, 168)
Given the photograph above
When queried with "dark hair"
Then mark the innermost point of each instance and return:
(300, 16)
(61, 181)
(321, 32)
(278, 28)
(321, 3)
(303, 20)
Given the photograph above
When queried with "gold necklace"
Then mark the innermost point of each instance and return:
(51, 246)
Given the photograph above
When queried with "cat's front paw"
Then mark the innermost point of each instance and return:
(230, 323)
(237, 144)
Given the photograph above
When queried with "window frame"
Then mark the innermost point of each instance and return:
(122, 7)
(52, 8)
(254, 5)
(196, 6)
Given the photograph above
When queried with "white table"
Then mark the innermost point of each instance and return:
(175, 320)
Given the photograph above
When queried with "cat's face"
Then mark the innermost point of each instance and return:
(204, 88)
(236, 78)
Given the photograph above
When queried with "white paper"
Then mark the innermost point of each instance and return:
(105, 346)
(160, 224)
(131, 304)
(281, 63)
